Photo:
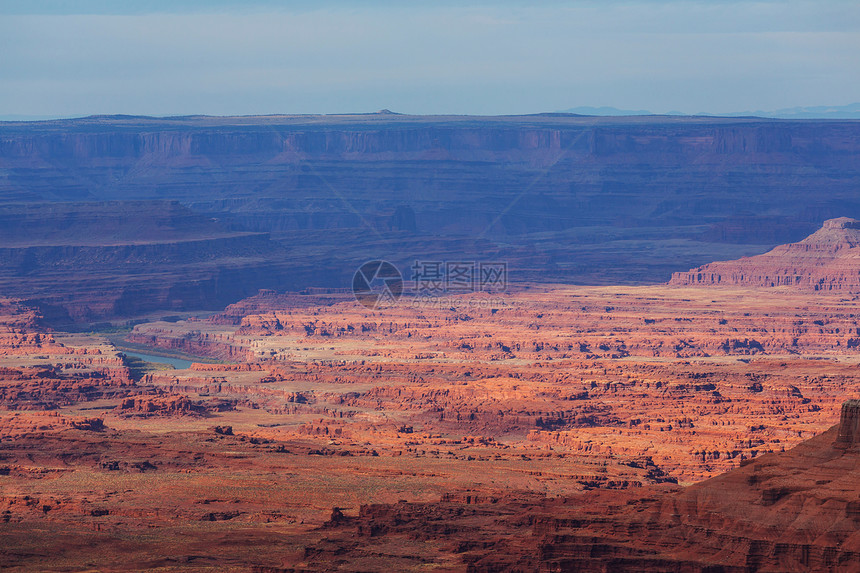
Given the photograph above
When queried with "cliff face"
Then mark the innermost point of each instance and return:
(700, 380)
(848, 434)
(42, 370)
(575, 171)
(791, 511)
(594, 200)
(89, 261)
(827, 260)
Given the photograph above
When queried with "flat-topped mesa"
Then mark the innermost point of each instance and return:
(840, 232)
(849, 424)
(827, 260)
(841, 223)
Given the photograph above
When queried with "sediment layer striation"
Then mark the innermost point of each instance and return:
(91, 261)
(791, 511)
(827, 260)
(560, 197)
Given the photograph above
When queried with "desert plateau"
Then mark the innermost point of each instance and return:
(384, 342)
(682, 427)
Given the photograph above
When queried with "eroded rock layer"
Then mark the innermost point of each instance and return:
(43, 370)
(827, 260)
(697, 380)
(793, 511)
(543, 429)
(92, 261)
(579, 199)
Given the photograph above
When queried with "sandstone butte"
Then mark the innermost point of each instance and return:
(827, 260)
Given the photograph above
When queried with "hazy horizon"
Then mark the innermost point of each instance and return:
(229, 58)
(850, 111)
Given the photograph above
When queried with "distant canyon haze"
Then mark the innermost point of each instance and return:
(117, 215)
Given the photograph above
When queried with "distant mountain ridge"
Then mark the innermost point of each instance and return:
(850, 111)
(605, 111)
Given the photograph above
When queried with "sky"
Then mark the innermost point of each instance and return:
(224, 57)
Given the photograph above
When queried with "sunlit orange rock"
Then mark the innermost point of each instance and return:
(827, 260)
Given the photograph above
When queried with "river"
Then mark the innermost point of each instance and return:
(177, 363)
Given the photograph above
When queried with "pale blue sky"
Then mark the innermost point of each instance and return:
(81, 57)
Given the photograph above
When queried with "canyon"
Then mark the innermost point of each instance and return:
(586, 415)
(82, 262)
(675, 374)
(560, 197)
(735, 522)
(550, 427)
